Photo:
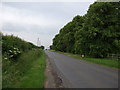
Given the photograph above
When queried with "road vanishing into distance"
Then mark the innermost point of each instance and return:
(76, 73)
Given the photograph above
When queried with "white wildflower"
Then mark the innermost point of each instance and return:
(10, 50)
(19, 52)
(83, 56)
(14, 51)
(15, 48)
(11, 55)
(5, 58)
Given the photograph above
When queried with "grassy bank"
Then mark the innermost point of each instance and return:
(27, 72)
(101, 61)
(34, 77)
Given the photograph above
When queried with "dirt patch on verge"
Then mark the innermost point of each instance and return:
(52, 79)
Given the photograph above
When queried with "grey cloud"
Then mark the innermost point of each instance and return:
(62, 13)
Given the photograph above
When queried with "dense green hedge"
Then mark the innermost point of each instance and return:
(10, 41)
(17, 58)
(12, 72)
(13, 46)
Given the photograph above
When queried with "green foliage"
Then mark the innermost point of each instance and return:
(10, 41)
(12, 72)
(12, 46)
(17, 58)
(95, 34)
(34, 77)
(42, 47)
(65, 40)
(51, 47)
(14, 53)
(101, 29)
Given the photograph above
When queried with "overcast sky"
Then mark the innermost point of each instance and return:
(43, 20)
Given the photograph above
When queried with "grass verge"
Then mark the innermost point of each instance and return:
(34, 78)
(102, 61)
(27, 72)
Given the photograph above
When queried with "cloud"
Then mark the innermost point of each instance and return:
(24, 17)
(30, 20)
(48, 0)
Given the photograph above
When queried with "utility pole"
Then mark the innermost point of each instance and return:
(38, 42)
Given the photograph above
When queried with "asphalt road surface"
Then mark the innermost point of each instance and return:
(76, 73)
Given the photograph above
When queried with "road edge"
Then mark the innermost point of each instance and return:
(52, 78)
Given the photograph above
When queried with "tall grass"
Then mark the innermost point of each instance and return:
(12, 72)
(34, 77)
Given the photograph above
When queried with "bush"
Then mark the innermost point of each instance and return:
(13, 46)
(12, 72)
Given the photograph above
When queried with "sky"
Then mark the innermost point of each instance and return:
(43, 20)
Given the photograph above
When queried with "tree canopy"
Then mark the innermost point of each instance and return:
(95, 34)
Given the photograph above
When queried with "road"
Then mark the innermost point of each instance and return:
(76, 73)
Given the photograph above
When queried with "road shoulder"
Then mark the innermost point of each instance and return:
(52, 79)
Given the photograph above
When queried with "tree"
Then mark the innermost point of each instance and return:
(65, 40)
(95, 34)
(101, 29)
(42, 47)
(51, 47)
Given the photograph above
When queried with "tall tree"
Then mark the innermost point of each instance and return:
(101, 29)
(95, 34)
